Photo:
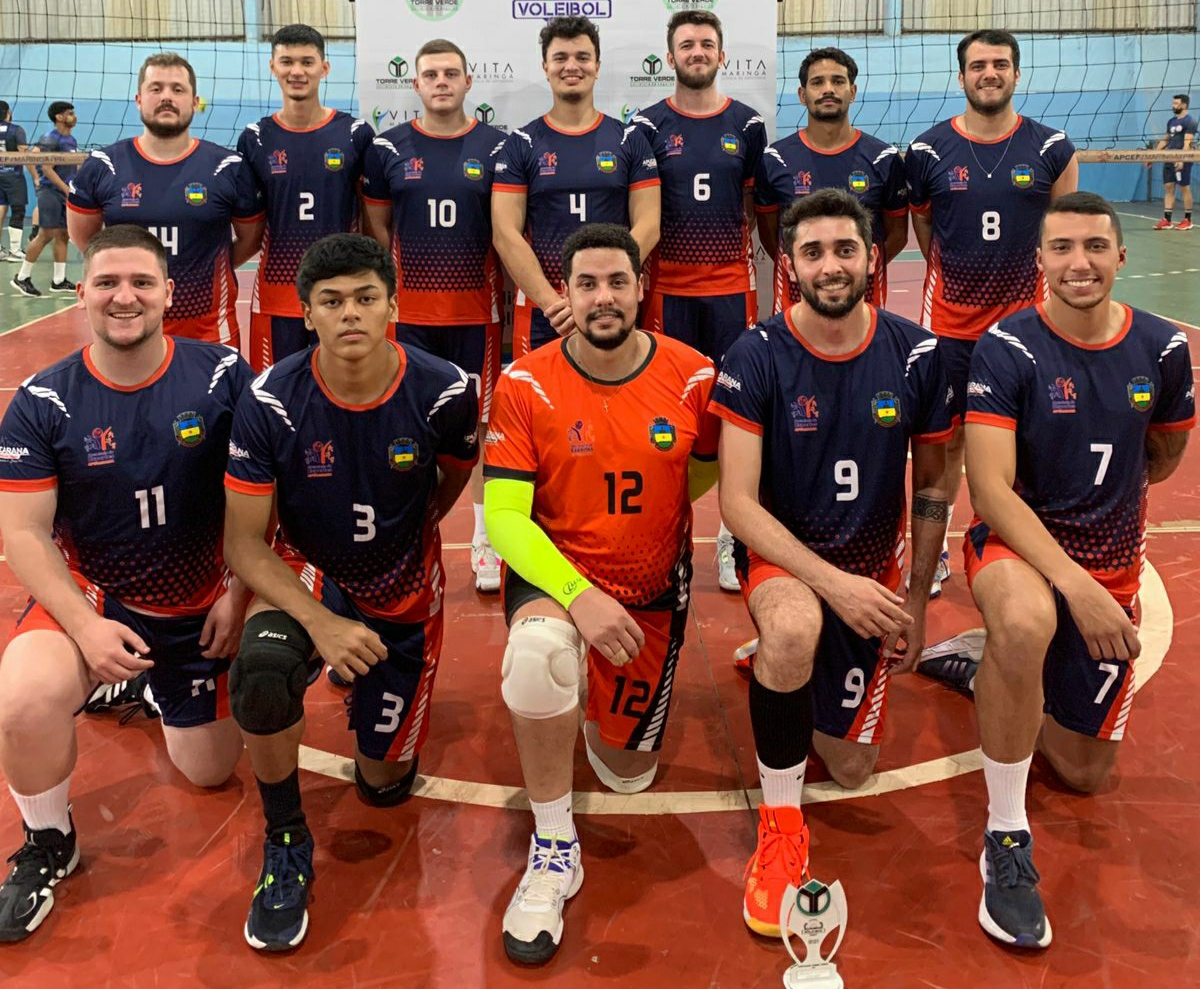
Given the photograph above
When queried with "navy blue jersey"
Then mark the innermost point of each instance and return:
(308, 182)
(572, 179)
(868, 168)
(706, 164)
(1177, 128)
(13, 138)
(138, 470)
(188, 204)
(57, 143)
(355, 485)
(836, 432)
(1081, 415)
(987, 200)
(440, 191)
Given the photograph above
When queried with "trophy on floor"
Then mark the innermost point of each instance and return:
(813, 912)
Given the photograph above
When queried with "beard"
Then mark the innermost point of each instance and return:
(607, 342)
(127, 345)
(698, 80)
(834, 310)
(828, 114)
(1082, 305)
(161, 129)
(990, 109)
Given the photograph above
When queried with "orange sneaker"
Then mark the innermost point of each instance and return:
(1163, 224)
(779, 861)
(1181, 225)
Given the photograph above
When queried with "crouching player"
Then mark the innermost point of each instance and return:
(364, 444)
(592, 447)
(111, 507)
(1072, 407)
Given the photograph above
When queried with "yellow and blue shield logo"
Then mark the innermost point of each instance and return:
(859, 183)
(1022, 176)
(402, 454)
(334, 159)
(195, 194)
(885, 409)
(662, 434)
(189, 429)
(1141, 393)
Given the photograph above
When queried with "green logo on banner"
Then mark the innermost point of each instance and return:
(435, 10)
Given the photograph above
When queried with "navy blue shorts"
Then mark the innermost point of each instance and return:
(1177, 176)
(956, 361)
(707, 323)
(52, 210)
(13, 190)
(475, 348)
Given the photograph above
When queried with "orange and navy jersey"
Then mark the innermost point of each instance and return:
(836, 431)
(609, 462)
(986, 199)
(355, 486)
(869, 169)
(440, 191)
(308, 183)
(137, 470)
(572, 178)
(706, 164)
(1081, 415)
(188, 204)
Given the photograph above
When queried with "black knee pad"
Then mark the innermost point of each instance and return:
(268, 679)
(390, 795)
(16, 216)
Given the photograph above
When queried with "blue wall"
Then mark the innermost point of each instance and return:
(1104, 90)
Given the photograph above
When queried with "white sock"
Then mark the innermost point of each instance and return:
(554, 818)
(26, 270)
(14, 239)
(1006, 794)
(46, 810)
(60, 271)
(723, 532)
(480, 528)
(782, 787)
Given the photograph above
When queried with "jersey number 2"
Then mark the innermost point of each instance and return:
(307, 202)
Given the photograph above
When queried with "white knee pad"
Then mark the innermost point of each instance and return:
(542, 667)
(618, 784)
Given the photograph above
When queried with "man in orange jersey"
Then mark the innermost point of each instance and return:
(595, 449)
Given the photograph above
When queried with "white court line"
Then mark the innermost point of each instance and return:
(1158, 621)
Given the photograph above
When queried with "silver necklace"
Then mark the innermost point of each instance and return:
(971, 146)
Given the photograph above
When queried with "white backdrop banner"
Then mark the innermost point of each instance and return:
(500, 39)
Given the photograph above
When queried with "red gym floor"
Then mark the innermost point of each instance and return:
(413, 896)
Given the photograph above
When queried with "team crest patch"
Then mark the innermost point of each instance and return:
(548, 163)
(278, 162)
(335, 158)
(960, 177)
(189, 429)
(662, 434)
(1141, 393)
(580, 438)
(1063, 395)
(100, 445)
(674, 145)
(195, 194)
(859, 183)
(730, 144)
(1022, 176)
(885, 409)
(805, 414)
(414, 168)
(473, 169)
(802, 183)
(606, 161)
(318, 458)
(131, 194)
(402, 454)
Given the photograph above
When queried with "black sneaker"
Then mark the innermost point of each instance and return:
(26, 287)
(1011, 908)
(955, 662)
(132, 695)
(66, 285)
(27, 893)
(278, 918)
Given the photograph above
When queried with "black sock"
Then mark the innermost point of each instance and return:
(281, 804)
(782, 723)
(1167, 214)
(1187, 215)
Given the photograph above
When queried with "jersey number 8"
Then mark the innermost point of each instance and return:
(990, 222)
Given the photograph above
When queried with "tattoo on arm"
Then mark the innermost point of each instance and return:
(929, 509)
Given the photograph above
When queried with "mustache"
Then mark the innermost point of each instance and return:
(601, 313)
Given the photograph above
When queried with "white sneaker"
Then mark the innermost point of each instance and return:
(726, 574)
(486, 566)
(16, 257)
(533, 922)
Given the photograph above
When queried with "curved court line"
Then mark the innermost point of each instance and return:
(1158, 620)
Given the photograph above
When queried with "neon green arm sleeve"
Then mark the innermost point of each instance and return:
(702, 475)
(507, 513)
